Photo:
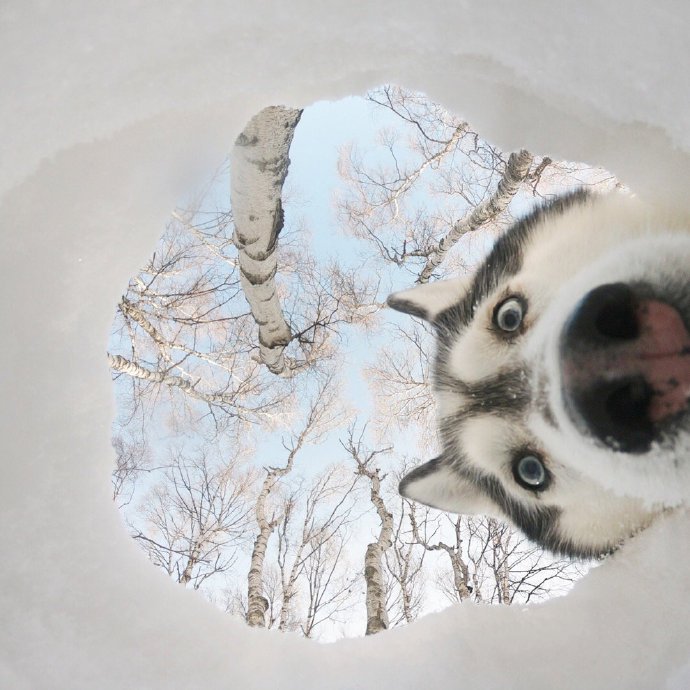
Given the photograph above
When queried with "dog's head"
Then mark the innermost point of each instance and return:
(562, 375)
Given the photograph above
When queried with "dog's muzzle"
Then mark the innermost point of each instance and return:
(625, 366)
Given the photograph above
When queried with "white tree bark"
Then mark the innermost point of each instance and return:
(289, 588)
(122, 365)
(461, 574)
(517, 170)
(259, 166)
(257, 604)
(377, 611)
(317, 420)
(500, 562)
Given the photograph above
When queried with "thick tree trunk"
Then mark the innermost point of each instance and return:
(259, 166)
(377, 612)
(256, 601)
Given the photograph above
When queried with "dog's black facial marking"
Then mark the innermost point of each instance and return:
(504, 261)
(539, 523)
(507, 394)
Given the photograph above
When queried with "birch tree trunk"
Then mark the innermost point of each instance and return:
(316, 421)
(500, 565)
(516, 171)
(377, 611)
(289, 578)
(257, 604)
(259, 166)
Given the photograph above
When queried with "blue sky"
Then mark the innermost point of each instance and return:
(325, 127)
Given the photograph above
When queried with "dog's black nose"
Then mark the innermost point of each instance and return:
(605, 393)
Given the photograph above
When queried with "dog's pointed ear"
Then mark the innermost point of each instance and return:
(437, 485)
(429, 300)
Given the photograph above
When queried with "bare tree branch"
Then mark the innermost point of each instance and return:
(124, 366)
(317, 420)
(195, 519)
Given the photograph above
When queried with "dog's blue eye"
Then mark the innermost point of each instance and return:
(509, 314)
(530, 472)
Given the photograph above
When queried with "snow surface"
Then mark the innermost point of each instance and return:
(112, 111)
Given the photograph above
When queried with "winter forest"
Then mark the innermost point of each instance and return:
(269, 402)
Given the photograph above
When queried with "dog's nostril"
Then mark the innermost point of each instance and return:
(627, 405)
(617, 318)
(617, 413)
(607, 313)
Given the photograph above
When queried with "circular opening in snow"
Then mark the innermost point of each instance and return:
(268, 404)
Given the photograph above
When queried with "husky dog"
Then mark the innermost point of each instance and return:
(562, 375)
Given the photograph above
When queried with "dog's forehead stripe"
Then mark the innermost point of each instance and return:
(508, 393)
(503, 262)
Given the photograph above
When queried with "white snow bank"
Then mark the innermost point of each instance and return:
(109, 113)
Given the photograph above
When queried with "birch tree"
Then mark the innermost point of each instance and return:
(405, 564)
(374, 577)
(435, 181)
(268, 513)
(186, 342)
(234, 598)
(306, 577)
(439, 181)
(489, 561)
(259, 164)
(311, 551)
(464, 560)
(183, 339)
